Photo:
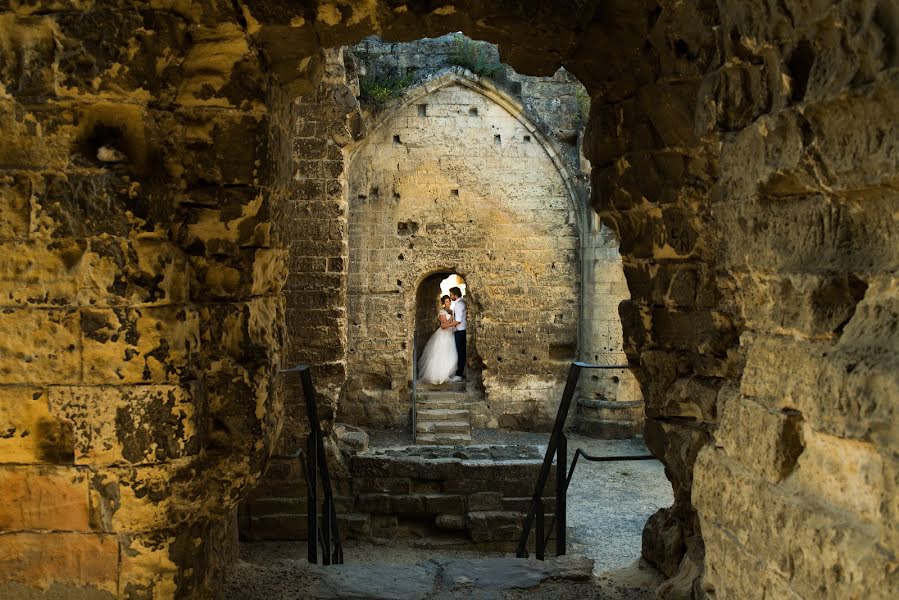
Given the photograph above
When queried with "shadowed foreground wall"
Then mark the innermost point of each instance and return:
(744, 153)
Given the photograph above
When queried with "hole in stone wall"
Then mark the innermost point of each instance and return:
(566, 351)
(406, 227)
(473, 112)
(497, 139)
(800, 65)
(396, 139)
(105, 144)
(454, 192)
(527, 138)
(422, 110)
(374, 192)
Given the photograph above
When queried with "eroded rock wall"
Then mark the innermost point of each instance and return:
(141, 317)
(806, 453)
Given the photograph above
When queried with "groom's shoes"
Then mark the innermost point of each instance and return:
(456, 379)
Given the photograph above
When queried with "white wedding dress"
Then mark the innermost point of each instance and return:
(439, 360)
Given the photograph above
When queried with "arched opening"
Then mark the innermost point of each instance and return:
(427, 304)
(744, 157)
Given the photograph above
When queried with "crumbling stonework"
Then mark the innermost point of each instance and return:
(743, 152)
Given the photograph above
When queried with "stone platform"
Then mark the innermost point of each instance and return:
(477, 494)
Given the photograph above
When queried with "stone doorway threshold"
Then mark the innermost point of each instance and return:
(266, 572)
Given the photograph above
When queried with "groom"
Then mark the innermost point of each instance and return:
(460, 321)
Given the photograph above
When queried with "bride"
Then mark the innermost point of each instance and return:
(438, 360)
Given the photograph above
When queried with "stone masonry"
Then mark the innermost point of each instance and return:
(744, 153)
(480, 495)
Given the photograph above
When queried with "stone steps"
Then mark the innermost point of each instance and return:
(443, 427)
(442, 416)
(443, 439)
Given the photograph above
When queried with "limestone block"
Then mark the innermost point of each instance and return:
(76, 564)
(389, 485)
(147, 345)
(143, 272)
(129, 424)
(481, 501)
(35, 274)
(29, 40)
(764, 441)
(663, 541)
(224, 147)
(244, 330)
(241, 275)
(134, 500)
(39, 346)
(33, 147)
(836, 392)
(226, 221)
(677, 444)
(31, 433)
(44, 497)
(844, 473)
(824, 554)
(377, 503)
(15, 205)
(443, 503)
(136, 58)
(219, 68)
(147, 567)
(810, 304)
(96, 202)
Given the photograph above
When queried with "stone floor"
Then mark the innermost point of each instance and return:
(262, 576)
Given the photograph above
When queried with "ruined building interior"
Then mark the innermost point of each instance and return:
(196, 195)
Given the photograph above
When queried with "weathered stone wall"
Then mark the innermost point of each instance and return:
(452, 182)
(141, 321)
(744, 154)
(481, 495)
(805, 449)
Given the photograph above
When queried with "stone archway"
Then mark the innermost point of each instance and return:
(744, 156)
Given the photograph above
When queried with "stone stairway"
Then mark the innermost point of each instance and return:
(442, 416)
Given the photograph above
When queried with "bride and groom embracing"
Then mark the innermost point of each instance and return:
(443, 358)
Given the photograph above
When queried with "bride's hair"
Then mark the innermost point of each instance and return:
(443, 299)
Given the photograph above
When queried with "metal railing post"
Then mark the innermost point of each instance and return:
(558, 449)
(561, 494)
(324, 532)
(312, 498)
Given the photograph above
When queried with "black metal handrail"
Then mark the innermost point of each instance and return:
(315, 471)
(558, 446)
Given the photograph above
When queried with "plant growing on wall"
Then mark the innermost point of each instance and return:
(474, 56)
(376, 90)
(583, 104)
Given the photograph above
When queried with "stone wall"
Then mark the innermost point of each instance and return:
(744, 153)
(141, 318)
(452, 182)
(478, 496)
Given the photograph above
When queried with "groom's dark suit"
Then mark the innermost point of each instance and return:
(460, 314)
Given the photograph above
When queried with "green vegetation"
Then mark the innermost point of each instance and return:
(376, 90)
(583, 103)
(474, 56)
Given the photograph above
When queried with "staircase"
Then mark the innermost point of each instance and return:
(442, 416)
